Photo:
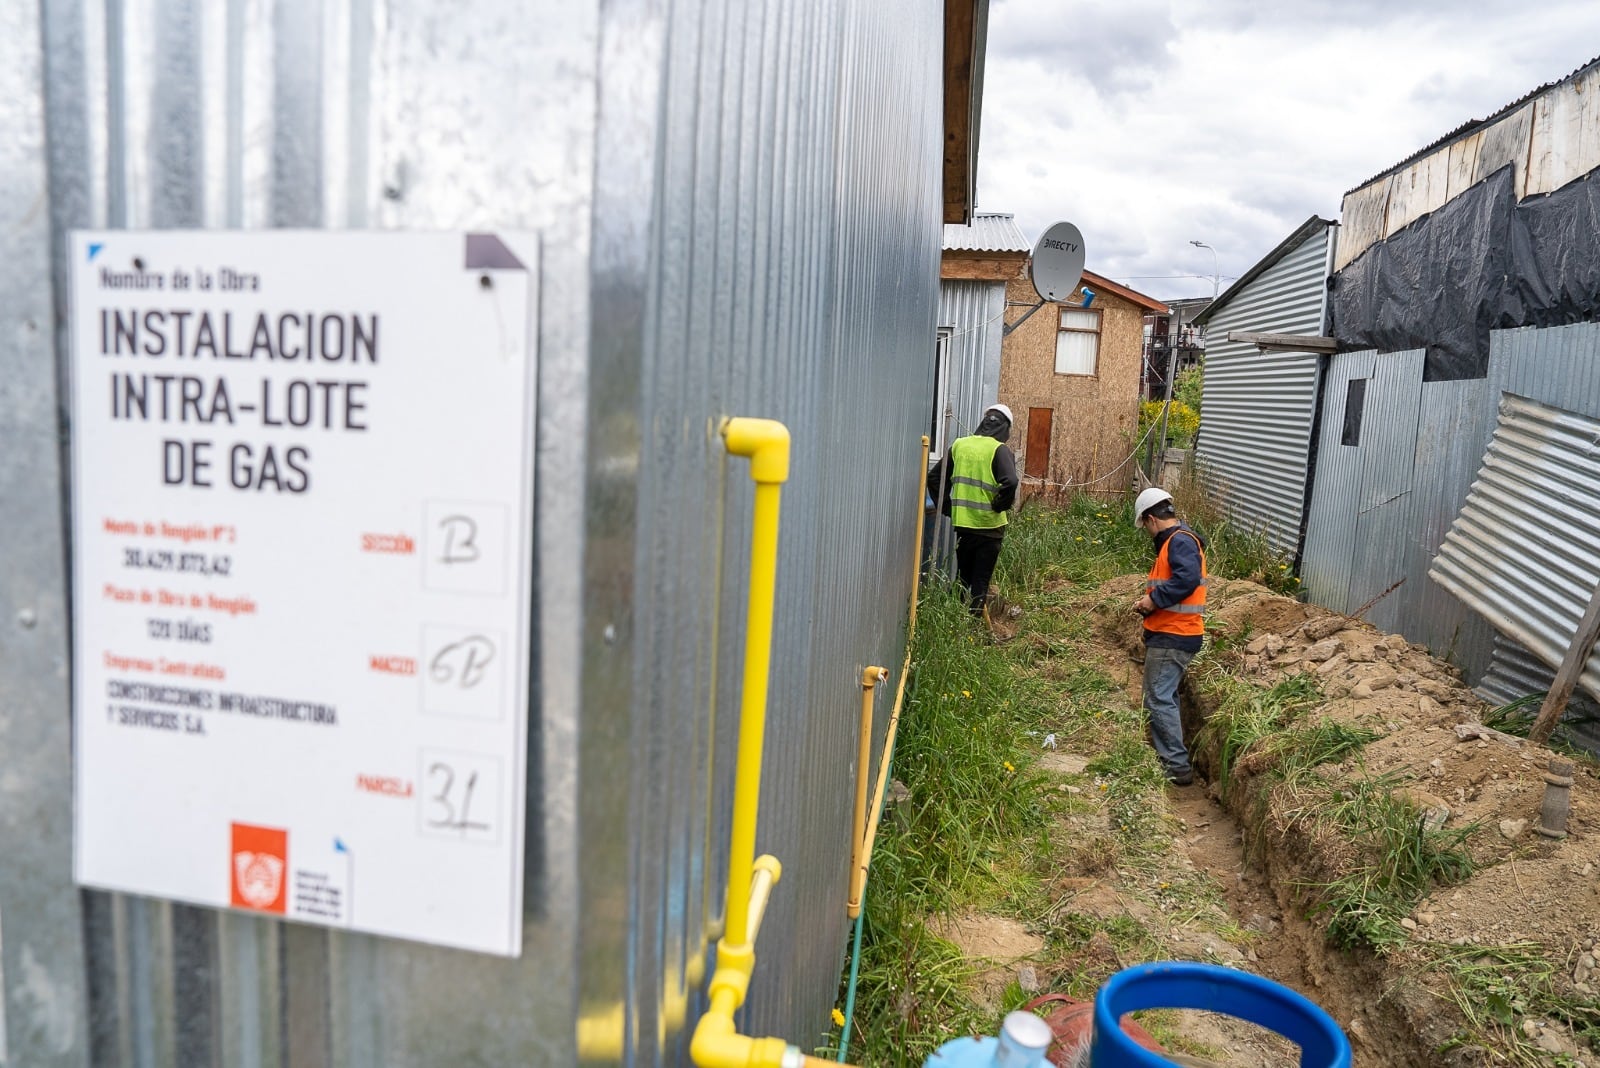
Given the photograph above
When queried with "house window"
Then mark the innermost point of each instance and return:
(1078, 342)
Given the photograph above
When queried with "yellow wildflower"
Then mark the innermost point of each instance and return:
(1009, 767)
(966, 693)
(838, 1018)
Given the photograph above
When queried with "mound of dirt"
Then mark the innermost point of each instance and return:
(1526, 889)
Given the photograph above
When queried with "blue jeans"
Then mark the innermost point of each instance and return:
(1163, 670)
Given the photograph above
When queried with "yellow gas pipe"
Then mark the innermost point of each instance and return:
(870, 677)
(865, 834)
(716, 1042)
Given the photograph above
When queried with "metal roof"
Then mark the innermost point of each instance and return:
(989, 232)
(1471, 126)
(1301, 235)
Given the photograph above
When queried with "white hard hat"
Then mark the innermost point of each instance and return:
(1002, 409)
(1148, 500)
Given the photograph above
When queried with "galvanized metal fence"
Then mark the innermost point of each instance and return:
(1381, 507)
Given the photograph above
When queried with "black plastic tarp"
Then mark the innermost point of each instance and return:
(1481, 262)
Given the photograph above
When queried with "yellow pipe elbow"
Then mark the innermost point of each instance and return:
(717, 1045)
(764, 441)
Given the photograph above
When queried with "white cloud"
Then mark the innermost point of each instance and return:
(1153, 122)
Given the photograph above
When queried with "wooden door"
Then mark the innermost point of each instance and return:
(1036, 460)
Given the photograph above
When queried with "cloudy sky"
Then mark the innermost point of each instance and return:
(1153, 122)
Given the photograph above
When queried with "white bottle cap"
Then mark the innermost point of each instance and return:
(1023, 1041)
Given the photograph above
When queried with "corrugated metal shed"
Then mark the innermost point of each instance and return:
(1258, 410)
(973, 313)
(989, 232)
(1525, 550)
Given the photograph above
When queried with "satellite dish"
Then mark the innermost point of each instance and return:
(1057, 264)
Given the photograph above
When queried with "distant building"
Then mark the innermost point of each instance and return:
(1171, 340)
(1071, 375)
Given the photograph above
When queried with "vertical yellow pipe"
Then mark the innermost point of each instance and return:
(870, 678)
(916, 552)
(766, 443)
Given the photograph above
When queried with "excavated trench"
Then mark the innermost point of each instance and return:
(1269, 855)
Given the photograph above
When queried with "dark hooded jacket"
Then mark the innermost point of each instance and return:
(995, 426)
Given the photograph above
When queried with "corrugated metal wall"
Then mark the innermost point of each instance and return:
(1528, 536)
(795, 241)
(190, 114)
(1380, 511)
(973, 311)
(1258, 409)
(741, 210)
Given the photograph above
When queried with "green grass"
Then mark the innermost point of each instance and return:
(1496, 986)
(1252, 718)
(1516, 717)
(1404, 859)
(977, 830)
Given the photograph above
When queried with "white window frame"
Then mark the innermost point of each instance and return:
(941, 393)
(1062, 330)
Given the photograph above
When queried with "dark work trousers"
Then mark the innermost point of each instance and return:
(976, 555)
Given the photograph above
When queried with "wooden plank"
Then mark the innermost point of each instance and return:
(1361, 221)
(1555, 702)
(959, 59)
(1419, 189)
(1506, 142)
(982, 266)
(1540, 139)
(1463, 164)
(1285, 342)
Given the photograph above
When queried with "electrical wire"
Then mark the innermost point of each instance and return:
(1037, 481)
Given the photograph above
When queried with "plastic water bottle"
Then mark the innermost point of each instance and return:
(1022, 1044)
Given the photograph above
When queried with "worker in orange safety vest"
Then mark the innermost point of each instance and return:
(1173, 607)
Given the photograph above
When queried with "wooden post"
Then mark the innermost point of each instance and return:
(1555, 702)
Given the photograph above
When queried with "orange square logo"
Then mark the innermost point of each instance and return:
(260, 864)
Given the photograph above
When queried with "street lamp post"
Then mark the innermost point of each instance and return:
(1215, 276)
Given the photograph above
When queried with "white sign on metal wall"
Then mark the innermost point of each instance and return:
(302, 541)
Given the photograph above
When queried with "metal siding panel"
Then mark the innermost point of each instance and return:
(765, 241)
(1258, 409)
(798, 221)
(973, 311)
(43, 1016)
(1525, 549)
(992, 232)
(1453, 415)
(1329, 554)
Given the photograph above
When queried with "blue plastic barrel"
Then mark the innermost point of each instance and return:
(1189, 985)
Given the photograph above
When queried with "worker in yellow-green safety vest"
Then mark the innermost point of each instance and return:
(977, 481)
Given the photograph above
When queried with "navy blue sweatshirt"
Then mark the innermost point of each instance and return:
(1184, 558)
